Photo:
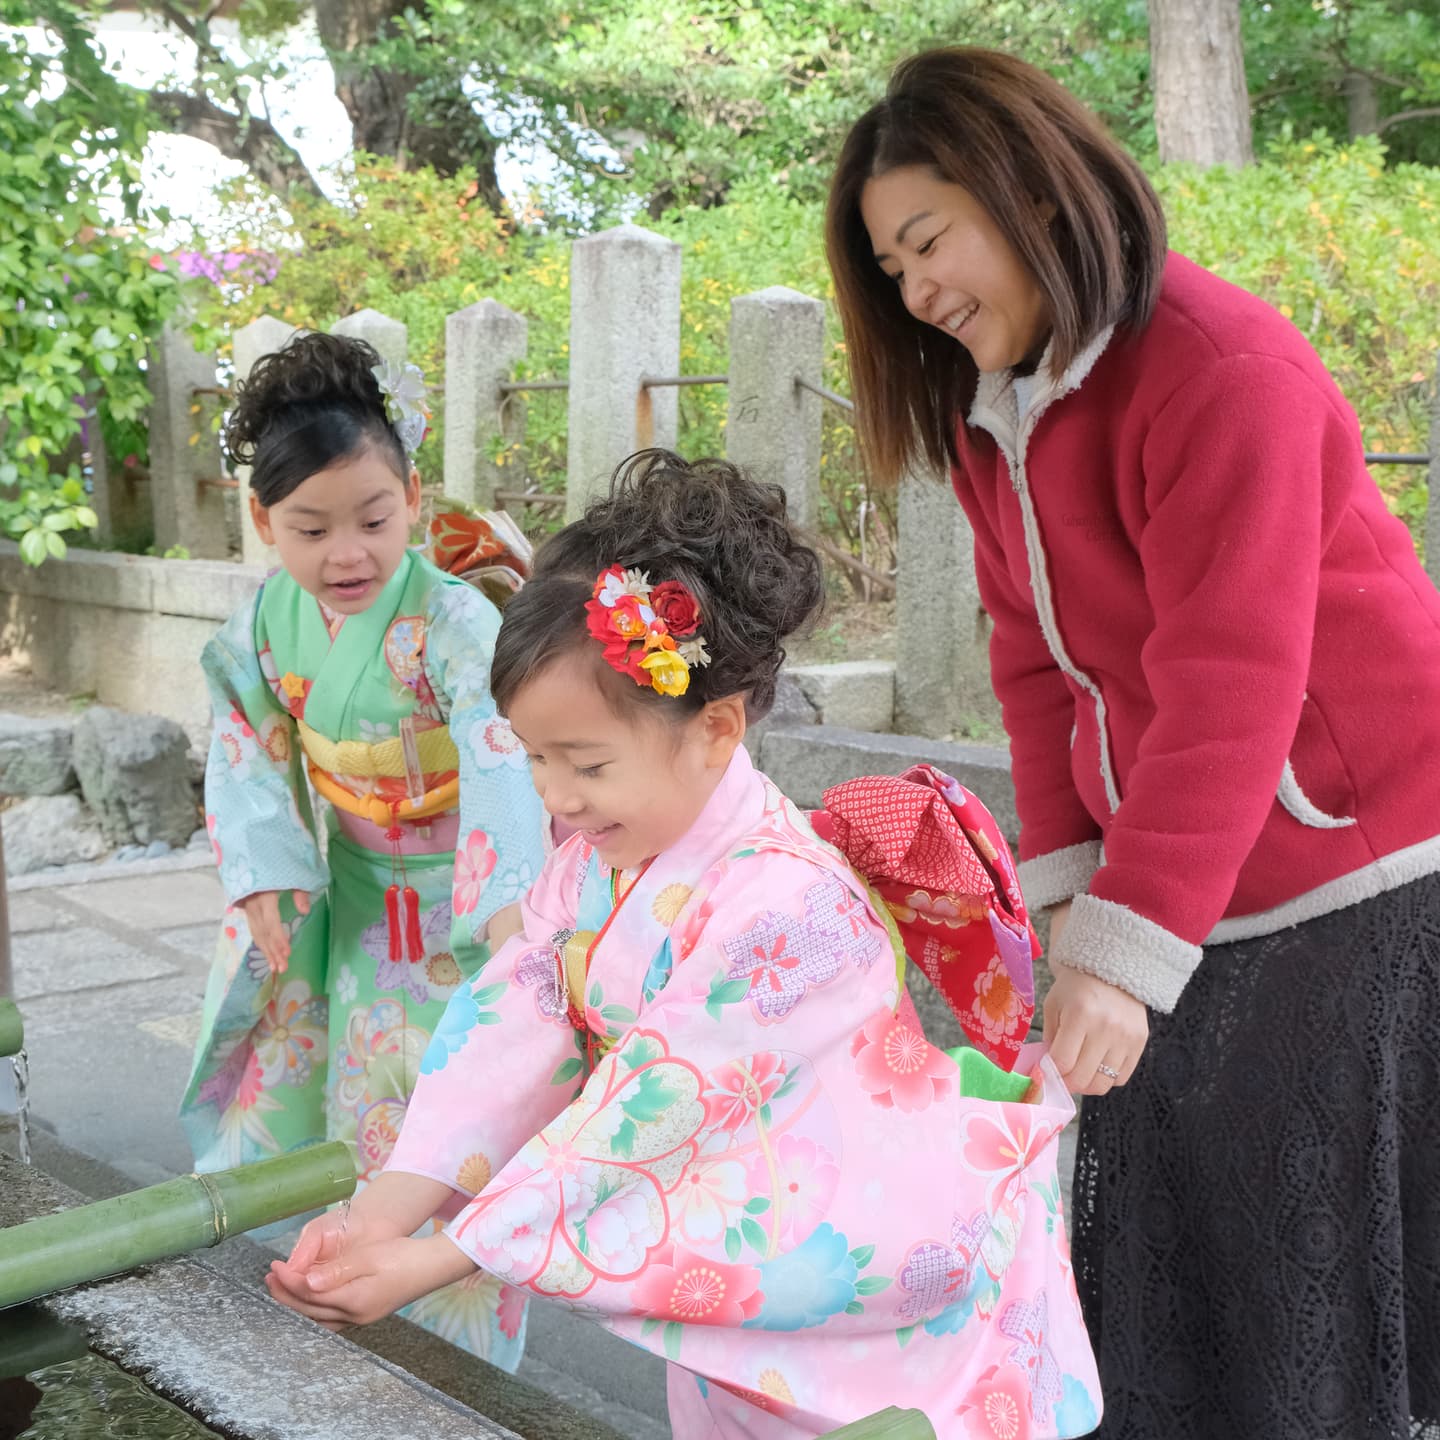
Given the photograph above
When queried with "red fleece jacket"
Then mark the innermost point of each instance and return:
(1215, 649)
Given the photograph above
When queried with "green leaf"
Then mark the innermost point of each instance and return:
(488, 994)
(862, 1255)
(32, 547)
(622, 1143)
(650, 1097)
(873, 1284)
(903, 1336)
(54, 544)
(566, 1072)
(618, 1014)
(755, 1237)
(640, 1052)
(674, 1333)
(649, 1326)
(758, 1206)
(854, 1308)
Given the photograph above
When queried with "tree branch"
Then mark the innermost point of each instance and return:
(250, 139)
(1425, 113)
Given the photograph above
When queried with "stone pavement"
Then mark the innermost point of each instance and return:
(109, 964)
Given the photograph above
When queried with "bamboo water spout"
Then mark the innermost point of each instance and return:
(108, 1237)
(12, 1031)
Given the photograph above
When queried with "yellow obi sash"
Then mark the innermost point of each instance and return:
(384, 761)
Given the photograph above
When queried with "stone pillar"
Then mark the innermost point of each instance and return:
(1432, 504)
(624, 324)
(184, 451)
(942, 634)
(483, 343)
(777, 335)
(389, 337)
(260, 337)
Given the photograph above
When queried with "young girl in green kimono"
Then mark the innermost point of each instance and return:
(362, 665)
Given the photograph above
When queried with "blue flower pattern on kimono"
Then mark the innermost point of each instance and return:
(658, 975)
(1075, 1414)
(465, 1014)
(807, 1285)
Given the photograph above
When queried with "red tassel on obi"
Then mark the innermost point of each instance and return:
(414, 941)
(393, 932)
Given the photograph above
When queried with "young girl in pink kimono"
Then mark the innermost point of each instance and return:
(690, 1097)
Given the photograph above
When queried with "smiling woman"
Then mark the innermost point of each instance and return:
(1204, 615)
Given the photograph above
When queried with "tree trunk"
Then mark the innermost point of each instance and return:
(249, 139)
(448, 133)
(1197, 68)
(1362, 104)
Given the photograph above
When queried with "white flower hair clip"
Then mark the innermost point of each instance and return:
(402, 387)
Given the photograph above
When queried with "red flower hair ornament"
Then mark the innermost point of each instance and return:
(649, 632)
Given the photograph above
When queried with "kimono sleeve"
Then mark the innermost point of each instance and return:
(501, 842)
(256, 802)
(504, 1059)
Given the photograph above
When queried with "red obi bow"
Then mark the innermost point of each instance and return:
(934, 854)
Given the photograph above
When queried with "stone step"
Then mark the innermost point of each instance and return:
(805, 760)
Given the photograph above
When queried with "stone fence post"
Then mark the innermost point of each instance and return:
(390, 337)
(259, 338)
(777, 336)
(483, 343)
(187, 505)
(624, 325)
(942, 664)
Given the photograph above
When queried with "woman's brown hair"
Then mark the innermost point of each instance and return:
(1015, 139)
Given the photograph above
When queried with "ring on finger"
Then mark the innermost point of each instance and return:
(1108, 1071)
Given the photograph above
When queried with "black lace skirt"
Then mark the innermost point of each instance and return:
(1256, 1216)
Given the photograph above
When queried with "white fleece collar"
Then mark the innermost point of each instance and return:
(995, 408)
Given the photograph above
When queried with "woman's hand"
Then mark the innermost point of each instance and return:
(267, 929)
(367, 1281)
(1090, 1023)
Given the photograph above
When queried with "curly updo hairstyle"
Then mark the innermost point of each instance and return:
(310, 405)
(704, 523)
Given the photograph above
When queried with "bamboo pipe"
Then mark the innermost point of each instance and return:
(889, 1424)
(12, 1031)
(90, 1242)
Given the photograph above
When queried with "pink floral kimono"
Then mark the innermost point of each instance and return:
(769, 1176)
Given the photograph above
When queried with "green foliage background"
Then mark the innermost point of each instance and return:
(1345, 246)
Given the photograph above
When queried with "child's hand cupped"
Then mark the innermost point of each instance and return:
(366, 1281)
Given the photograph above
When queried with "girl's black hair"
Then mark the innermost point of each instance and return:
(704, 523)
(310, 405)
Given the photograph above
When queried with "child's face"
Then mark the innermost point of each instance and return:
(632, 784)
(342, 533)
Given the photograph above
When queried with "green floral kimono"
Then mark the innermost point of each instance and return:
(432, 825)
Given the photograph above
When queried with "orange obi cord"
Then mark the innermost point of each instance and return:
(385, 813)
